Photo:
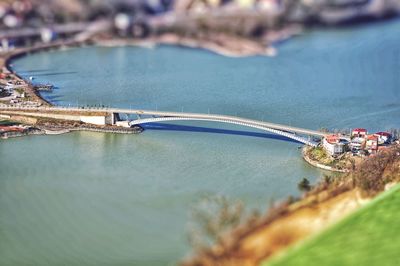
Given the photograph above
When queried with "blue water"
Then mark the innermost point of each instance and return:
(101, 199)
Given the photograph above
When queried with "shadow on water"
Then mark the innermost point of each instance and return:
(50, 97)
(55, 73)
(54, 99)
(35, 71)
(171, 127)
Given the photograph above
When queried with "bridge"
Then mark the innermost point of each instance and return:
(111, 116)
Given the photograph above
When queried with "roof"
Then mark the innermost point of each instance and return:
(386, 134)
(359, 130)
(332, 139)
(372, 137)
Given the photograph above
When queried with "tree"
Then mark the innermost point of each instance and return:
(211, 218)
(304, 185)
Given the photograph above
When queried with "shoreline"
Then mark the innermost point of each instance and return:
(6, 64)
(220, 44)
(250, 48)
(318, 164)
(246, 48)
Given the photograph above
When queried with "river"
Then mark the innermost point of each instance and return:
(101, 199)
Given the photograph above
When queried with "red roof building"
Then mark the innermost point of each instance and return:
(387, 134)
(359, 132)
(333, 145)
(332, 139)
(383, 137)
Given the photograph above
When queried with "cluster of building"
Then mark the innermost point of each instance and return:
(358, 143)
(36, 13)
(9, 94)
(12, 92)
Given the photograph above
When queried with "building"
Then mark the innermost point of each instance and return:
(371, 144)
(334, 145)
(383, 137)
(359, 132)
(357, 144)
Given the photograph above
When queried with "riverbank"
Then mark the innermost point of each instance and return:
(33, 126)
(221, 45)
(306, 154)
(369, 236)
(60, 127)
(294, 221)
(31, 94)
(46, 126)
(21, 133)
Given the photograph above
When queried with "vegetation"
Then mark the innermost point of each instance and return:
(377, 171)
(19, 90)
(368, 237)
(369, 177)
(320, 155)
(304, 185)
(7, 123)
(212, 217)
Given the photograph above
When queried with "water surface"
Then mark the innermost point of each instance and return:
(102, 199)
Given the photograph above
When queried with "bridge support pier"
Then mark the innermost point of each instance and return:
(112, 118)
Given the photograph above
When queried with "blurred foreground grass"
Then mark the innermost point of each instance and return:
(371, 236)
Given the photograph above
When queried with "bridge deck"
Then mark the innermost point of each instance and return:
(100, 111)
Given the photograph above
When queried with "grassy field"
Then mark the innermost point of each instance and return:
(371, 236)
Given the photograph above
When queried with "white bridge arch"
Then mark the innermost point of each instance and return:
(227, 121)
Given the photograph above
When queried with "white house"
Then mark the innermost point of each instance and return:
(334, 145)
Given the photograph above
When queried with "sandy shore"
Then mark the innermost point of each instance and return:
(242, 48)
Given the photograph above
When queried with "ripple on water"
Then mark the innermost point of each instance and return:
(101, 199)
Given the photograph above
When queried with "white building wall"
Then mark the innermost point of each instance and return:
(333, 149)
(96, 120)
(330, 148)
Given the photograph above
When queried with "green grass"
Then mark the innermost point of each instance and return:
(371, 236)
(7, 123)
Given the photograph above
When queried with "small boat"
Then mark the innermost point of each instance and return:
(31, 78)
